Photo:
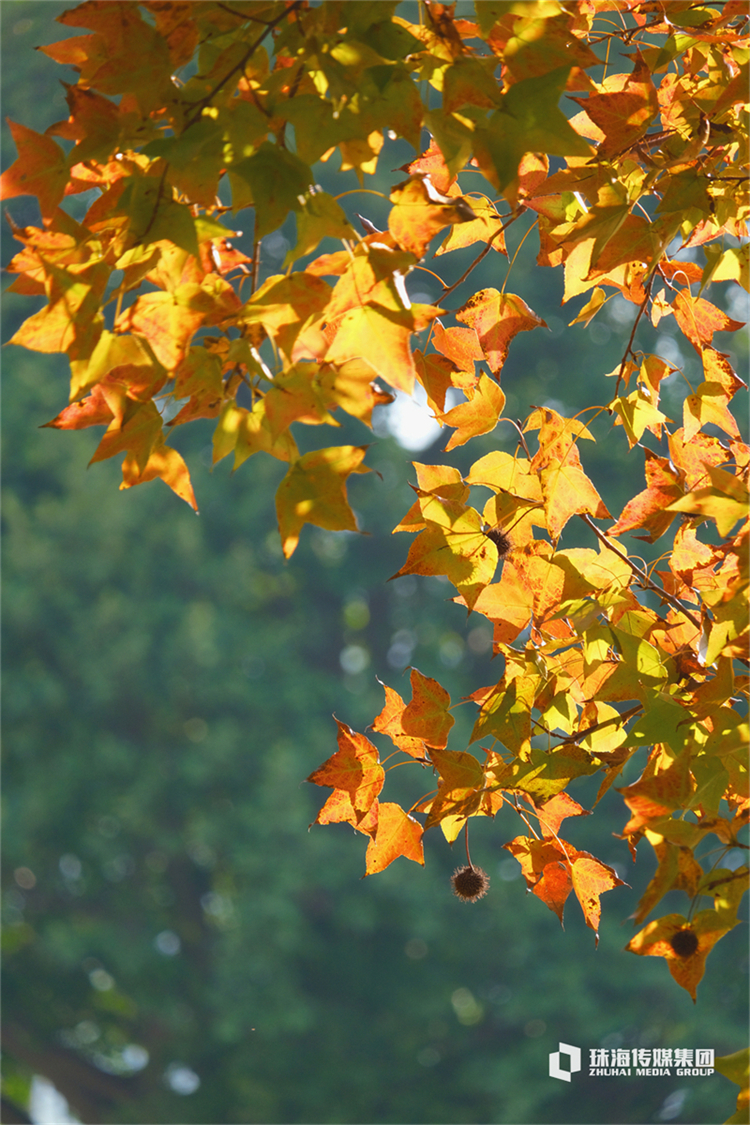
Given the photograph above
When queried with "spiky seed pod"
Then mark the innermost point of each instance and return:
(470, 883)
(684, 943)
(501, 541)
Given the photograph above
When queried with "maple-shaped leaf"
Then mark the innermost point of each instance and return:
(497, 318)
(477, 416)
(677, 870)
(567, 491)
(389, 722)
(710, 400)
(285, 306)
(420, 211)
(165, 464)
(351, 385)
(694, 453)
(278, 180)
(168, 322)
(460, 345)
(529, 120)
(453, 543)
(397, 834)
(71, 321)
(435, 373)
(650, 509)
(724, 500)
(624, 108)
(506, 715)
(321, 217)
(655, 797)
(41, 169)
(314, 491)
(245, 432)
(487, 226)
(354, 767)
(461, 780)
(591, 878)
(552, 813)
(339, 809)
(699, 319)
(540, 774)
(296, 396)
(431, 163)
(136, 428)
(638, 413)
(94, 410)
(427, 716)
(686, 962)
(530, 586)
(381, 337)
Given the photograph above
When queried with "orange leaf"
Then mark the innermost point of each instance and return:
(460, 345)
(165, 463)
(41, 170)
(624, 109)
(397, 834)
(648, 510)
(339, 809)
(427, 716)
(654, 941)
(389, 722)
(699, 319)
(555, 811)
(591, 878)
(652, 798)
(497, 318)
(420, 211)
(382, 338)
(314, 491)
(355, 768)
(567, 492)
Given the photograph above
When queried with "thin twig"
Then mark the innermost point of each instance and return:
(483, 254)
(642, 577)
(240, 66)
(628, 350)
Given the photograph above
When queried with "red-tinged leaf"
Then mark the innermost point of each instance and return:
(460, 345)
(431, 163)
(624, 109)
(591, 878)
(314, 491)
(677, 870)
(656, 939)
(693, 456)
(652, 798)
(354, 767)
(648, 510)
(389, 722)
(497, 318)
(546, 870)
(41, 170)
(339, 809)
(94, 410)
(699, 319)
(558, 437)
(477, 416)
(427, 716)
(460, 785)
(164, 463)
(555, 811)
(397, 834)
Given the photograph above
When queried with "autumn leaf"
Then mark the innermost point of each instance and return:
(427, 715)
(397, 834)
(389, 722)
(497, 318)
(41, 169)
(354, 768)
(314, 491)
(477, 416)
(686, 962)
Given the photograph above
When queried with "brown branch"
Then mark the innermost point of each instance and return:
(240, 66)
(641, 575)
(629, 348)
(449, 288)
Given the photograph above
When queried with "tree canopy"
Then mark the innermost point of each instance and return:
(615, 134)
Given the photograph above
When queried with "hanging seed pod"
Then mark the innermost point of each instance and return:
(501, 541)
(470, 883)
(684, 943)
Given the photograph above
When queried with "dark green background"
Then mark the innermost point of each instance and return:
(169, 682)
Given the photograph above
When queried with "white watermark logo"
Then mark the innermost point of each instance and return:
(641, 1061)
(574, 1055)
